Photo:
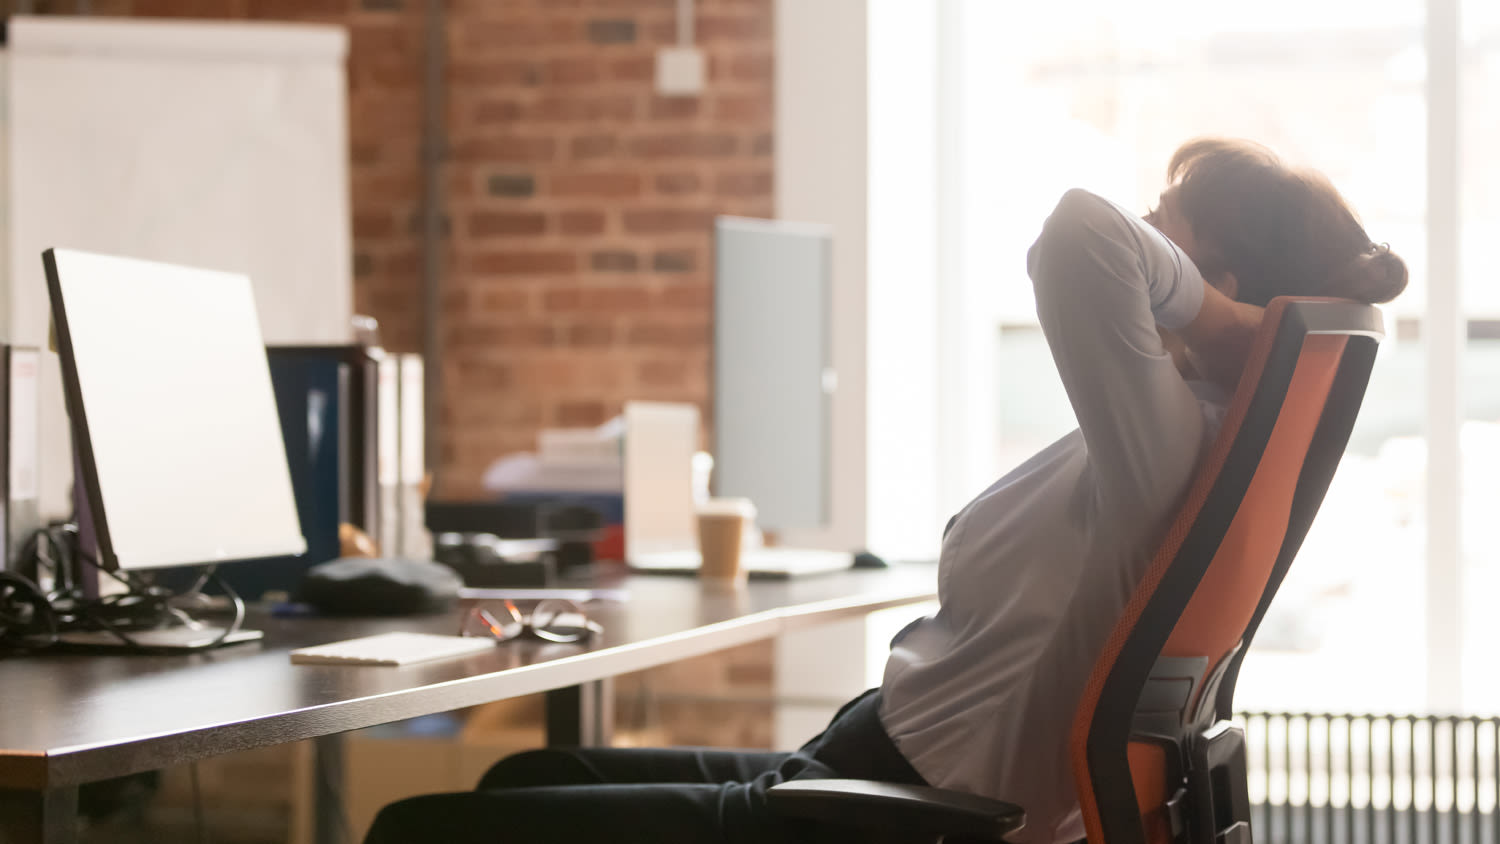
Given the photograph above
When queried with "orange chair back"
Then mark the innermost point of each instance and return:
(1166, 675)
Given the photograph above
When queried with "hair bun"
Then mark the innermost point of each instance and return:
(1374, 275)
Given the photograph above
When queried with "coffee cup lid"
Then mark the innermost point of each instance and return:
(727, 507)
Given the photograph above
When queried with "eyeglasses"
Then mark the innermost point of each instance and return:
(551, 620)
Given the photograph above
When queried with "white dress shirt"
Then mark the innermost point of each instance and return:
(1035, 571)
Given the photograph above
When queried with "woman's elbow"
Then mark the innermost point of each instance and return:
(1064, 234)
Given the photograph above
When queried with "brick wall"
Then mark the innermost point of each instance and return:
(581, 208)
(579, 202)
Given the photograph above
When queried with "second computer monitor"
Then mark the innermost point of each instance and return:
(772, 368)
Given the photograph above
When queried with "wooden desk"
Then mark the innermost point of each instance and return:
(69, 719)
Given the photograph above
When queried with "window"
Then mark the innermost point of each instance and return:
(1098, 95)
(1479, 173)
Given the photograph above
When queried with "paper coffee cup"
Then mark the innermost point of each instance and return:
(721, 533)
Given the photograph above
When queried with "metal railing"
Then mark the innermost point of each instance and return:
(1372, 779)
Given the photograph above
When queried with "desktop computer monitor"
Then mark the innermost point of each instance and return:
(174, 420)
(772, 368)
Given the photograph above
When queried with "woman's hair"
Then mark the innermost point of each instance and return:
(1281, 231)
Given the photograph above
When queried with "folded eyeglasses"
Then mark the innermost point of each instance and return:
(551, 620)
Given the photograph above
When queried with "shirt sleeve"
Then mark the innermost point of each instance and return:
(1104, 279)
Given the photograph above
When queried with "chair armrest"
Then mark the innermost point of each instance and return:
(916, 808)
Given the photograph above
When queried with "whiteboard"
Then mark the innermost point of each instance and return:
(211, 144)
(167, 367)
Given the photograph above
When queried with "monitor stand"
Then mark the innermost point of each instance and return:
(180, 638)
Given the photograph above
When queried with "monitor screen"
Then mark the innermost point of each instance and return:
(173, 416)
(772, 368)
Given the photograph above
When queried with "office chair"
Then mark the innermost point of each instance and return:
(1155, 758)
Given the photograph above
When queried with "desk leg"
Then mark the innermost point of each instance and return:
(330, 822)
(582, 715)
(39, 817)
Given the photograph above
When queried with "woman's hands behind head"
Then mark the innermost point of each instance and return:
(1218, 340)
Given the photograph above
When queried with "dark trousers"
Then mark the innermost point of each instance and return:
(663, 796)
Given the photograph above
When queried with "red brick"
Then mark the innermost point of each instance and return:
(403, 263)
(614, 299)
(752, 67)
(579, 413)
(661, 373)
(455, 301)
(614, 261)
(496, 72)
(506, 300)
(522, 263)
(674, 261)
(384, 38)
(490, 223)
(633, 68)
(374, 224)
(737, 28)
(743, 108)
(384, 188)
(590, 334)
(507, 335)
(484, 9)
(666, 7)
(593, 146)
(662, 31)
(578, 70)
(563, 299)
(612, 184)
(575, 108)
(508, 148)
(612, 31)
(537, 373)
(486, 35)
(687, 296)
(390, 115)
(674, 333)
(184, 8)
(294, 9)
(364, 153)
(485, 375)
(674, 108)
(684, 145)
(490, 411)
(511, 185)
(581, 222)
(677, 183)
(743, 183)
(668, 221)
(384, 74)
(392, 300)
(497, 111)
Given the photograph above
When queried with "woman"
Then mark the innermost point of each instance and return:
(1149, 321)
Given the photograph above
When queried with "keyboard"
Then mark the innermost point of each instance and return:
(762, 563)
(392, 649)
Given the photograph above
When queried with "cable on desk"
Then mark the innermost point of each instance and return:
(27, 620)
(66, 607)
